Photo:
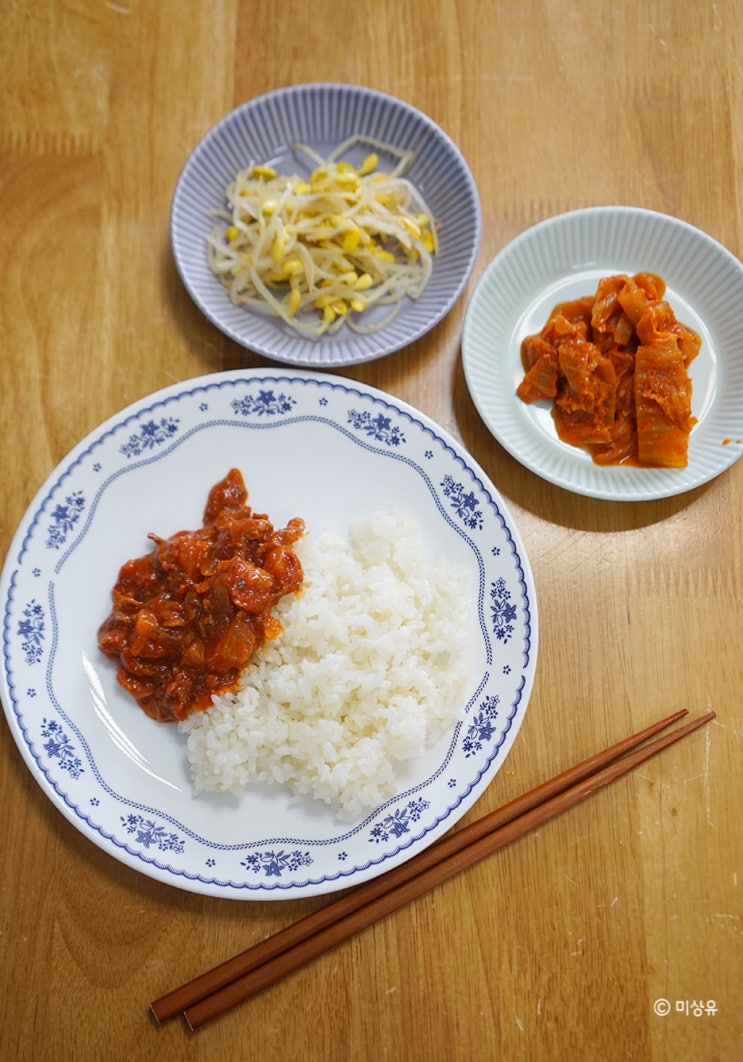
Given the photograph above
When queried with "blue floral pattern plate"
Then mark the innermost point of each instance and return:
(323, 116)
(308, 444)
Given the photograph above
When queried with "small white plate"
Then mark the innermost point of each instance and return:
(563, 258)
(323, 116)
(309, 445)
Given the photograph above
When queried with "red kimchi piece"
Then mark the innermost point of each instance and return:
(662, 392)
(614, 365)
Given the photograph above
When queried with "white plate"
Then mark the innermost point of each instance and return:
(563, 258)
(323, 116)
(309, 445)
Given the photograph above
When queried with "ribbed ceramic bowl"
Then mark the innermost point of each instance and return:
(323, 116)
(563, 258)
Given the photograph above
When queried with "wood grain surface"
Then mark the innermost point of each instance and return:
(560, 946)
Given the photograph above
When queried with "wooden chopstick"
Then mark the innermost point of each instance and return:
(210, 994)
(205, 984)
(287, 961)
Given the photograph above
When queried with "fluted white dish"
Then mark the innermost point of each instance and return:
(323, 115)
(563, 258)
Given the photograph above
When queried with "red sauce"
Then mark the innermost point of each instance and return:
(188, 616)
(615, 364)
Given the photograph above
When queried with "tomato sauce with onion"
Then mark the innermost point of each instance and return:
(188, 616)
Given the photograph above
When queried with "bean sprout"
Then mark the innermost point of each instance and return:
(321, 251)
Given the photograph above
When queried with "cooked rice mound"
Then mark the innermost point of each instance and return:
(369, 672)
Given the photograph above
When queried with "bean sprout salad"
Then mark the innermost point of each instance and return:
(321, 251)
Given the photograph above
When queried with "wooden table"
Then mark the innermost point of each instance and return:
(559, 947)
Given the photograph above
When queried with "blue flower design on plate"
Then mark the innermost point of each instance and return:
(463, 502)
(398, 823)
(482, 726)
(379, 428)
(502, 610)
(147, 832)
(265, 403)
(151, 434)
(31, 630)
(273, 864)
(58, 746)
(64, 517)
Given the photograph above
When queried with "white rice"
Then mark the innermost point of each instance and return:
(369, 673)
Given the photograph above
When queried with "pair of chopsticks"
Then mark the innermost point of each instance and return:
(236, 980)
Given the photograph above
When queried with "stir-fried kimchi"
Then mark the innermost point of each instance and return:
(616, 367)
(188, 616)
